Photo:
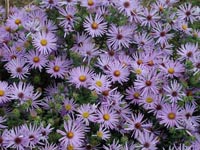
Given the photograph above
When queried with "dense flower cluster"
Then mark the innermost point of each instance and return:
(100, 74)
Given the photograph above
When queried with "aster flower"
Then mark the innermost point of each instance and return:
(187, 12)
(133, 95)
(32, 134)
(136, 124)
(74, 133)
(4, 92)
(80, 76)
(149, 17)
(45, 42)
(18, 68)
(173, 92)
(196, 63)
(16, 139)
(147, 141)
(89, 4)
(95, 27)
(99, 81)
(117, 72)
(162, 33)
(58, 68)
(45, 131)
(21, 91)
(69, 106)
(107, 117)
(170, 116)
(172, 68)
(36, 60)
(80, 41)
(103, 133)
(115, 145)
(68, 16)
(119, 37)
(86, 113)
(188, 51)
(148, 100)
(49, 4)
(126, 6)
(49, 147)
(148, 82)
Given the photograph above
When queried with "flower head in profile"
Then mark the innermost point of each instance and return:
(95, 27)
(4, 92)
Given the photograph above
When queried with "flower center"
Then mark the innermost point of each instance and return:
(162, 33)
(43, 42)
(36, 59)
(148, 83)
(149, 17)
(117, 73)
(1, 140)
(171, 70)
(18, 140)
(149, 100)
(31, 137)
(100, 134)
(139, 62)
(138, 71)
(21, 95)
(174, 94)
(94, 25)
(2, 92)
(146, 145)
(106, 117)
(150, 63)
(56, 68)
(68, 107)
(105, 93)
(136, 95)
(18, 21)
(19, 69)
(171, 115)
(188, 13)
(82, 78)
(184, 27)
(126, 4)
(90, 2)
(70, 135)
(69, 17)
(189, 54)
(119, 36)
(85, 115)
(99, 83)
(138, 125)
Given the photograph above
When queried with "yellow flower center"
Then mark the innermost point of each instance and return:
(68, 107)
(7, 28)
(36, 59)
(171, 115)
(70, 147)
(149, 100)
(171, 70)
(82, 78)
(2, 92)
(18, 21)
(56, 68)
(85, 115)
(106, 117)
(43, 42)
(94, 25)
(195, 34)
(18, 48)
(99, 83)
(138, 71)
(90, 2)
(184, 27)
(117, 73)
(100, 134)
(70, 135)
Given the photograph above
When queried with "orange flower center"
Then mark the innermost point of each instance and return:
(117, 73)
(2, 92)
(36, 59)
(18, 21)
(56, 68)
(70, 135)
(94, 25)
(171, 115)
(171, 70)
(82, 78)
(90, 2)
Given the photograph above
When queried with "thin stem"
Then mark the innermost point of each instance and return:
(7, 6)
